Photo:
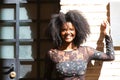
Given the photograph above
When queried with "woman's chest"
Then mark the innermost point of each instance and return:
(72, 68)
(63, 56)
(70, 63)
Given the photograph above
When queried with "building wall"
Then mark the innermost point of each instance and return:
(95, 12)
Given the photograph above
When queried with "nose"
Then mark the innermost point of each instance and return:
(67, 31)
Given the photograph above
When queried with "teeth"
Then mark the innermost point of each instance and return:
(68, 37)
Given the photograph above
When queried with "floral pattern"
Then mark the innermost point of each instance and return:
(73, 64)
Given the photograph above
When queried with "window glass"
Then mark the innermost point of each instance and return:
(6, 51)
(6, 32)
(7, 14)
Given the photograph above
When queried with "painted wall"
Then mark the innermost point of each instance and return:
(95, 12)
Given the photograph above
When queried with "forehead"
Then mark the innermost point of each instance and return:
(67, 25)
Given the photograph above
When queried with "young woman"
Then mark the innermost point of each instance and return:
(68, 31)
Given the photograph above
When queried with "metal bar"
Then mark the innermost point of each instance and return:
(17, 40)
(8, 1)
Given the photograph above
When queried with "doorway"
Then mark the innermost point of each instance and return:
(23, 43)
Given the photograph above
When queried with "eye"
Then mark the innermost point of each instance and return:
(63, 29)
(72, 29)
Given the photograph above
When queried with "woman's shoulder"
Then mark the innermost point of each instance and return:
(52, 51)
(89, 48)
(87, 51)
(84, 47)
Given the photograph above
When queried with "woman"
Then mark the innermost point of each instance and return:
(68, 31)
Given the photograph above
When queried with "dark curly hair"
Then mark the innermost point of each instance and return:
(76, 18)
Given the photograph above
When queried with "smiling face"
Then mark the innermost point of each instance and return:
(68, 32)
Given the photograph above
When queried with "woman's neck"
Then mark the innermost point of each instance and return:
(67, 47)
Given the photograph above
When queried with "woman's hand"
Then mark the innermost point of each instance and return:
(106, 27)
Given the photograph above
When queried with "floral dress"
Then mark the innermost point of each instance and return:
(72, 65)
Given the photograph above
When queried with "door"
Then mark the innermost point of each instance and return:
(22, 39)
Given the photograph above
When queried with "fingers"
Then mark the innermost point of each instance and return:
(105, 23)
(106, 27)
